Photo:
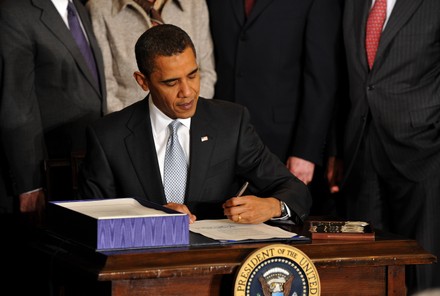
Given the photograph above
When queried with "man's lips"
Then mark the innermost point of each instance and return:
(186, 106)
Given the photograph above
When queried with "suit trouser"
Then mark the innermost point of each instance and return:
(376, 192)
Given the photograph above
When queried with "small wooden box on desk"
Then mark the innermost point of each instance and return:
(341, 230)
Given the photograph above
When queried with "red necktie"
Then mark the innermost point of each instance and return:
(248, 4)
(375, 22)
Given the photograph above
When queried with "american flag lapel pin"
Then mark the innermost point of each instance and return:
(204, 138)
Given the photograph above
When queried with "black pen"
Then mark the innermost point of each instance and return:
(242, 189)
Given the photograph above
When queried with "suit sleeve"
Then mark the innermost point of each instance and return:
(96, 179)
(20, 121)
(268, 176)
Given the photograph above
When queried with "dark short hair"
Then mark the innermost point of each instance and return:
(160, 40)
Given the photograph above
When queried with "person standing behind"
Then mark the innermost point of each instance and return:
(392, 133)
(49, 90)
(280, 59)
(48, 93)
(118, 24)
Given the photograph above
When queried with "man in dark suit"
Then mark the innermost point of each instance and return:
(392, 134)
(125, 151)
(47, 96)
(281, 61)
(48, 92)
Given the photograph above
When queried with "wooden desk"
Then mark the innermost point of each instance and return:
(345, 267)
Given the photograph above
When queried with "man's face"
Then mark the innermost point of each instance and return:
(175, 84)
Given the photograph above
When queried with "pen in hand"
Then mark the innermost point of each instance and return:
(242, 189)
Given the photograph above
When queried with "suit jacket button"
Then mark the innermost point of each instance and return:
(370, 87)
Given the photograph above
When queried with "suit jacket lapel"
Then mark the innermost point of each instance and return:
(258, 8)
(360, 14)
(140, 145)
(203, 140)
(237, 7)
(54, 23)
(402, 11)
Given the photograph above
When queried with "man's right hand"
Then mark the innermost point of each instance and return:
(32, 205)
(32, 201)
(182, 209)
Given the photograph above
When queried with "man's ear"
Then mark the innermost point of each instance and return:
(141, 80)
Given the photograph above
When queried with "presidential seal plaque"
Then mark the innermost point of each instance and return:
(277, 270)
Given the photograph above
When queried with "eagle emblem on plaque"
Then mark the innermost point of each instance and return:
(276, 282)
(277, 270)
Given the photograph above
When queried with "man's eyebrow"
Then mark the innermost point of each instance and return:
(169, 80)
(193, 71)
(174, 79)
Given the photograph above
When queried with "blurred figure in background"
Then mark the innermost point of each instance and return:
(282, 60)
(50, 88)
(392, 134)
(118, 24)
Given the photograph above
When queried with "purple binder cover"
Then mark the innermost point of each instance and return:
(120, 233)
(142, 232)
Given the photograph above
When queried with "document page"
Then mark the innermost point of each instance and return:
(113, 208)
(226, 230)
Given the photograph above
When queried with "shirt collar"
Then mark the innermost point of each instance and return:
(159, 121)
(61, 5)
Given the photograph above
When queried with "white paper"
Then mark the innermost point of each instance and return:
(113, 208)
(226, 230)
